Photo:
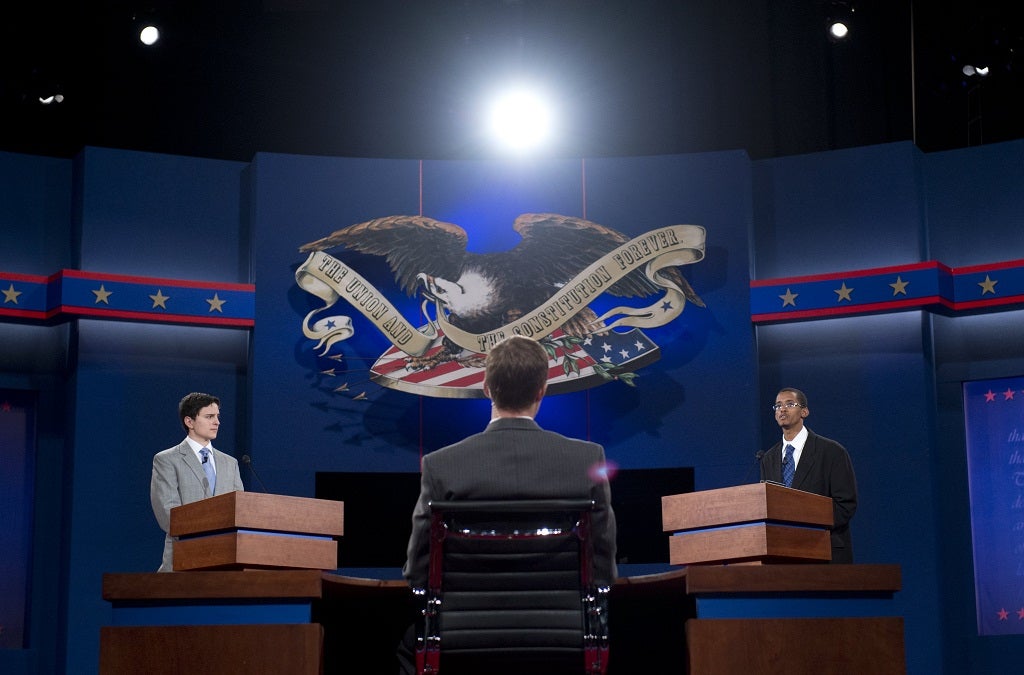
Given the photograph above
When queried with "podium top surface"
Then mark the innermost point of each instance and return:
(692, 580)
(782, 578)
(197, 585)
(259, 511)
(744, 504)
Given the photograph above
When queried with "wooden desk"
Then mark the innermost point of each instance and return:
(258, 622)
(698, 619)
(794, 619)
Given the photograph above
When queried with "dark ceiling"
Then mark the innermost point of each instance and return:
(382, 78)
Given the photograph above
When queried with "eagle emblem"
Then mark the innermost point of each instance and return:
(537, 283)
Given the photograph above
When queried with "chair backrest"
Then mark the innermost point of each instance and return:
(510, 584)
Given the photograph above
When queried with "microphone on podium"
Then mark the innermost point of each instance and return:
(757, 460)
(248, 462)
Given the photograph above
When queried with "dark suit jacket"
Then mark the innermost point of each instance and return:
(514, 458)
(824, 469)
(178, 478)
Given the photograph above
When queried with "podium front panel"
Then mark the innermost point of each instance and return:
(258, 649)
(818, 646)
(756, 542)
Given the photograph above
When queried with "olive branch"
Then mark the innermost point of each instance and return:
(570, 362)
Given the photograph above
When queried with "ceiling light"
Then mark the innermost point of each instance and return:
(838, 30)
(149, 35)
(839, 20)
(521, 120)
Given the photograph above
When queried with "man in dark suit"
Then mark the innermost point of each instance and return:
(820, 465)
(513, 458)
(193, 469)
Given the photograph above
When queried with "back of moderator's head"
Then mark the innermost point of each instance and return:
(515, 371)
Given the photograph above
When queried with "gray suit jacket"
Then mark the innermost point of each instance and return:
(514, 458)
(178, 478)
(824, 469)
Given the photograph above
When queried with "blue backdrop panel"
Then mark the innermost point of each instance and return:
(337, 420)
(994, 419)
(17, 445)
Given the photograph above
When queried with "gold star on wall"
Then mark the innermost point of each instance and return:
(11, 295)
(159, 300)
(101, 295)
(216, 304)
(988, 285)
(900, 287)
(789, 298)
(844, 293)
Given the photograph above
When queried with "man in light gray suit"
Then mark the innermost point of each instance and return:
(193, 469)
(514, 458)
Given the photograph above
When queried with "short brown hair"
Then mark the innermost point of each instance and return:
(515, 371)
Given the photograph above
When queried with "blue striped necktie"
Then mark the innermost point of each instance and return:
(788, 465)
(211, 475)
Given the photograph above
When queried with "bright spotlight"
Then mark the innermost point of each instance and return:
(839, 30)
(149, 35)
(840, 19)
(521, 120)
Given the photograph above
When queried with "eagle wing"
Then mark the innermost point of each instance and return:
(560, 247)
(410, 244)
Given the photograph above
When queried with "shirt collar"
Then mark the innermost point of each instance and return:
(798, 442)
(196, 447)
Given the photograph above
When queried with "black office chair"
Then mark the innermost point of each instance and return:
(511, 590)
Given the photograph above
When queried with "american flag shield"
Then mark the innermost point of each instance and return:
(575, 364)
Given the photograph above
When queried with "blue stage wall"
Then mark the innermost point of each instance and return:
(883, 385)
(707, 354)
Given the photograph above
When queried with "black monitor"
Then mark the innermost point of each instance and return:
(378, 513)
(636, 498)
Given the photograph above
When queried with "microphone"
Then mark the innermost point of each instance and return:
(248, 462)
(757, 460)
(206, 485)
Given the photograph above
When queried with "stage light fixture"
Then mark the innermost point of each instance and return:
(971, 71)
(521, 120)
(45, 87)
(146, 22)
(839, 20)
(149, 35)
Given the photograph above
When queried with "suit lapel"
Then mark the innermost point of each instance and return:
(774, 471)
(808, 457)
(192, 461)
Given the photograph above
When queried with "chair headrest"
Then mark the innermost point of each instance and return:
(512, 505)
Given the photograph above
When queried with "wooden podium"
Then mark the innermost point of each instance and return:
(253, 530)
(758, 523)
(251, 570)
(762, 606)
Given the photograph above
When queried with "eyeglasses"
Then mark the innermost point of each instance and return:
(787, 404)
